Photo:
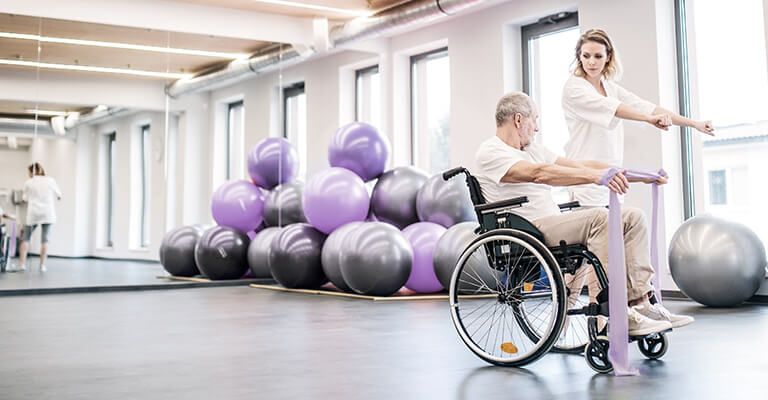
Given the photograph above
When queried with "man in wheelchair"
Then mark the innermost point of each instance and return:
(511, 165)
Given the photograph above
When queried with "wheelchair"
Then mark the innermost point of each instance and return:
(5, 248)
(513, 299)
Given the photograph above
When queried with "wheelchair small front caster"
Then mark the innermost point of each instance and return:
(596, 354)
(653, 346)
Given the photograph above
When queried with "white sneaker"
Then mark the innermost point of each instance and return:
(640, 325)
(17, 268)
(42, 268)
(660, 313)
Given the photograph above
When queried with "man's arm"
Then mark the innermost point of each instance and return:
(560, 175)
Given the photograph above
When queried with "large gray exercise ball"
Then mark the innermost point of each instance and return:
(394, 197)
(222, 252)
(331, 257)
(716, 262)
(283, 205)
(375, 259)
(258, 253)
(445, 202)
(177, 251)
(294, 257)
(477, 274)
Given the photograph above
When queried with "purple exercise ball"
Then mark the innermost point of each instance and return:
(334, 197)
(238, 204)
(423, 237)
(273, 161)
(360, 148)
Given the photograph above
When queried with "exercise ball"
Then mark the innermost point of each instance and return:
(375, 259)
(177, 250)
(360, 148)
(716, 262)
(258, 253)
(423, 237)
(331, 257)
(477, 274)
(445, 202)
(238, 204)
(294, 257)
(393, 199)
(282, 205)
(273, 161)
(221, 253)
(334, 197)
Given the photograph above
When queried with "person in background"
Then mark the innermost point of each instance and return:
(40, 194)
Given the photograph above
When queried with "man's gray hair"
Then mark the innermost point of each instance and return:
(510, 104)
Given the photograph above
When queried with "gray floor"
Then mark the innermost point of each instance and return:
(244, 343)
(83, 274)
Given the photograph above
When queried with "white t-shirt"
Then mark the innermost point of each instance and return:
(41, 192)
(595, 131)
(494, 158)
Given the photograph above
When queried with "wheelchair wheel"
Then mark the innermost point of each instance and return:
(654, 346)
(596, 354)
(501, 273)
(575, 334)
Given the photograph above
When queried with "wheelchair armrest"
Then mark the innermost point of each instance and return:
(498, 205)
(569, 205)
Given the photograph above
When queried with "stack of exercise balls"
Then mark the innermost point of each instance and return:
(241, 209)
(364, 228)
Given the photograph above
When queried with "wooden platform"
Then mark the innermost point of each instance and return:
(330, 290)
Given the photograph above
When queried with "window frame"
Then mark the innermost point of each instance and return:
(145, 145)
(433, 54)
(360, 74)
(290, 91)
(111, 141)
(544, 26)
(231, 108)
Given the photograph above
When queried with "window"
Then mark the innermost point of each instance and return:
(145, 152)
(172, 140)
(547, 58)
(295, 122)
(234, 140)
(430, 111)
(367, 96)
(725, 181)
(109, 184)
(717, 187)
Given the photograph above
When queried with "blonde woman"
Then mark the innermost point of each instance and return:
(40, 193)
(594, 106)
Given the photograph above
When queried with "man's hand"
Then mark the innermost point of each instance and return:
(662, 180)
(618, 183)
(705, 127)
(661, 121)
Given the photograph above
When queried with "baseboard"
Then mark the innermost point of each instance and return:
(678, 295)
(99, 258)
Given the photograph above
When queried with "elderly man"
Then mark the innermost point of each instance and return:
(511, 164)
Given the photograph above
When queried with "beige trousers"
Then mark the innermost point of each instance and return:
(590, 227)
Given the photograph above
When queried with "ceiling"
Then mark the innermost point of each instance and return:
(360, 6)
(19, 109)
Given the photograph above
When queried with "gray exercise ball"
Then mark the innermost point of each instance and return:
(258, 253)
(283, 205)
(451, 245)
(375, 259)
(331, 257)
(294, 257)
(221, 253)
(177, 251)
(394, 197)
(445, 202)
(716, 262)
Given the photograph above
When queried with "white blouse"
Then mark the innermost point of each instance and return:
(41, 192)
(595, 131)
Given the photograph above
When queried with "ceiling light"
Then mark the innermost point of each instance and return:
(151, 74)
(46, 113)
(115, 45)
(354, 13)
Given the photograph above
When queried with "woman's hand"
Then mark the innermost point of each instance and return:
(705, 127)
(661, 121)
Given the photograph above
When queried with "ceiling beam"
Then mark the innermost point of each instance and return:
(173, 16)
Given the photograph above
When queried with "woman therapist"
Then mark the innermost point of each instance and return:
(594, 105)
